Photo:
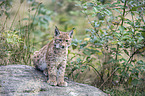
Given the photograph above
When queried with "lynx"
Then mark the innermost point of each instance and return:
(51, 59)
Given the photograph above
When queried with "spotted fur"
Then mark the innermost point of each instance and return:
(51, 59)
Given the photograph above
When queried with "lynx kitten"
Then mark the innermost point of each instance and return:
(51, 59)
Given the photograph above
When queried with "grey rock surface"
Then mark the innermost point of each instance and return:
(23, 80)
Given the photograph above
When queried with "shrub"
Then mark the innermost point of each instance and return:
(111, 44)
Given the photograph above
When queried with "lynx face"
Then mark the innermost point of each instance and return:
(62, 39)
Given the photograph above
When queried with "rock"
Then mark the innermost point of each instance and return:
(23, 80)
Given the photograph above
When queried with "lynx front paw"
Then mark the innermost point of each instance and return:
(62, 84)
(45, 72)
(52, 83)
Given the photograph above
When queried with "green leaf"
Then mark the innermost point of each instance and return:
(126, 52)
(108, 12)
(114, 42)
(117, 34)
(86, 52)
(95, 9)
(133, 8)
(125, 37)
(33, 9)
(121, 28)
(140, 62)
(122, 59)
(114, 49)
(76, 75)
(25, 19)
(69, 51)
(130, 65)
(78, 60)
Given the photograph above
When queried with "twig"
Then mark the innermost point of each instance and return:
(109, 77)
(95, 70)
(4, 24)
(35, 14)
(123, 12)
(135, 91)
(15, 16)
(136, 52)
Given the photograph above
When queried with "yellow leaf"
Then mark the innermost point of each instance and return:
(86, 39)
(99, 53)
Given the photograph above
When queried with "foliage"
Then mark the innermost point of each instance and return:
(17, 45)
(41, 17)
(111, 44)
(5, 7)
(38, 22)
(12, 48)
(117, 92)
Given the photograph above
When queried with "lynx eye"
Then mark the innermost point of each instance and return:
(66, 40)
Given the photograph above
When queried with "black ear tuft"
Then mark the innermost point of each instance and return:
(56, 31)
(71, 33)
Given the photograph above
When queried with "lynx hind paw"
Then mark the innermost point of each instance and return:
(62, 84)
(52, 83)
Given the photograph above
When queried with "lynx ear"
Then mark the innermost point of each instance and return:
(71, 33)
(56, 31)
